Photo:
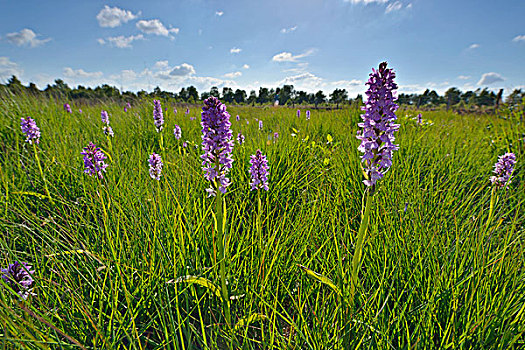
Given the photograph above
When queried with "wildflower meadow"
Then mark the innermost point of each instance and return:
(129, 225)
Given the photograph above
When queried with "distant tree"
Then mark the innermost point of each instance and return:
(264, 95)
(286, 94)
(183, 95)
(338, 96)
(515, 97)
(252, 98)
(301, 97)
(320, 97)
(214, 91)
(239, 96)
(142, 94)
(452, 96)
(227, 94)
(205, 95)
(486, 98)
(14, 84)
(468, 97)
(33, 89)
(193, 94)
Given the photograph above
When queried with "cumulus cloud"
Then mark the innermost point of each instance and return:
(80, 73)
(182, 70)
(464, 77)
(235, 50)
(395, 6)
(113, 16)
(9, 68)
(233, 75)
(245, 66)
(288, 30)
(519, 38)
(121, 41)
(25, 37)
(161, 64)
(289, 57)
(154, 26)
(490, 78)
(219, 13)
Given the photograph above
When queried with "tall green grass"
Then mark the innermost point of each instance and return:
(110, 256)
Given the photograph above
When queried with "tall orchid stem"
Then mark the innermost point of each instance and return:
(221, 238)
(42, 174)
(358, 254)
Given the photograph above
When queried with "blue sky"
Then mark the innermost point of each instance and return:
(312, 44)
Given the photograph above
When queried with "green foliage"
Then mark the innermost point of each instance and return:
(435, 271)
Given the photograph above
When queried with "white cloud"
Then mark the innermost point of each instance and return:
(25, 37)
(154, 26)
(288, 30)
(9, 68)
(235, 50)
(490, 78)
(464, 77)
(395, 6)
(289, 57)
(409, 6)
(182, 70)
(219, 13)
(233, 75)
(121, 41)
(125, 75)
(473, 47)
(519, 38)
(344, 83)
(80, 73)
(161, 64)
(113, 16)
(245, 66)
(366, 2)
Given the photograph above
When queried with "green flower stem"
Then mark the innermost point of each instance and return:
(356, 260)
(221, 238)
(42, 174)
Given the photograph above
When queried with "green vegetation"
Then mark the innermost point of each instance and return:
(128, 262)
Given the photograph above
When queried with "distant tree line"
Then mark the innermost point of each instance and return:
(285, 95)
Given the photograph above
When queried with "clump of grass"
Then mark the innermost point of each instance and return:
(439, 268)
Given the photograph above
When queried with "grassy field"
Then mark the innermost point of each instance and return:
(439, 269)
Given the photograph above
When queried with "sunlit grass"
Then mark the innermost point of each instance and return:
(107, 254)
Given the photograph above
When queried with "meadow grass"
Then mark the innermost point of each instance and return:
(112, 256)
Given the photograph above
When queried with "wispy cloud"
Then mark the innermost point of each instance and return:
(25, 37)
(464, 77)
(233, 75)
(121, 41)
(395, 6)
(113, 16)
(9, 68)
(80, 73)
(519, 38)
(289, 57)
(246, 66)
(154, 26)
(288, 30)
(490, 78)
(473, 47)
(235, 50)
(219, 13)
